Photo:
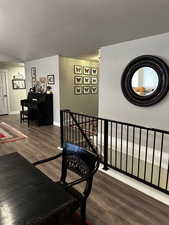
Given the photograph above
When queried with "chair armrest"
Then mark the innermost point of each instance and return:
(69, 185)
(78, 181)
(46, 160)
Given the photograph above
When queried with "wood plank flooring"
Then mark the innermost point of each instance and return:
(110, 203)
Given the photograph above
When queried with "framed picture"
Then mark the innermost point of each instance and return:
(93, 90)
(94, 71)
(78, 80)
(33, 71)
(86, 90)
(86, 80)
(18, 84)
(86, 70)
(94, 80)
(78, 90)
(77, 69)
(51, 79)
(33, 75)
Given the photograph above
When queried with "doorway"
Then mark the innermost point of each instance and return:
(3, 93)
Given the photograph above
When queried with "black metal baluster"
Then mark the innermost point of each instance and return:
(77, 130)
(167, 176)
(133, 151)
(61, 128)
(111, 124)
(127, 139)
(140, 135)
(145, 165)
(97, 137)
(85, 129)
(152, 167)
(121, 149)
(89, 128)
(161, 152)
(101, 142)
(69, 127)
(116, 147)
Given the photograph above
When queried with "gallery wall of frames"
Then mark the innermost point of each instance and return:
(85, 80)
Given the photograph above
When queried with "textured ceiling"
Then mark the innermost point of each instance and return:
(38, 28)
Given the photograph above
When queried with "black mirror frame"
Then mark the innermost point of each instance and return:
(162, 70)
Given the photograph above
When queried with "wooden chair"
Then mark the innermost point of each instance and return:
(24, 113)
(81, 162)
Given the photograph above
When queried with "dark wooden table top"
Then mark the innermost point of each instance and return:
(26, 193)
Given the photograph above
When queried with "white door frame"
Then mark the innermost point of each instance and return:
(7, 88)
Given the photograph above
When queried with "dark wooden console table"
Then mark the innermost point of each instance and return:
(28, 197)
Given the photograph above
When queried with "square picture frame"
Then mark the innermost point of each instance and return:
(77, 69)
(33, 71)
(18, 84)
(94, 80)
(78, 90)
(78, 80)
(93, 90)
(86, 90)
(33, 75)
(86, 70)
(86, 80)
(51, 79)
(94, 71)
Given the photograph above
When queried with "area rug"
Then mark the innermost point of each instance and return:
(10, 134)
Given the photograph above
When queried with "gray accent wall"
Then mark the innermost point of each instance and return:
(112, 103)
(87, 104)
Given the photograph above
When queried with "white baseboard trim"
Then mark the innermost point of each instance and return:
(14, 112)
(56, 124)
(162, 197)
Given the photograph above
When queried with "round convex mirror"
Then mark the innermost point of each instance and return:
(145, 81)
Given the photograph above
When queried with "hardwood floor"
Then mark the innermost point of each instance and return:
(110, 203)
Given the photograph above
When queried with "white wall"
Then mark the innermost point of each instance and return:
(15, 95)
(45, 66)
(112, 103)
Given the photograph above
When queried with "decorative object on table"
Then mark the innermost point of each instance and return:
(78, 90)
(51, 79)
(77, 69)
(78, 80)
(93, 90)
(86, 80)
(86, 70)
(37, 87)
(48, 90)
(94, 80)
(18, 84)
(33, 75)
(94, 71)
(43, 84)
(10, 134)
(86, 90)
